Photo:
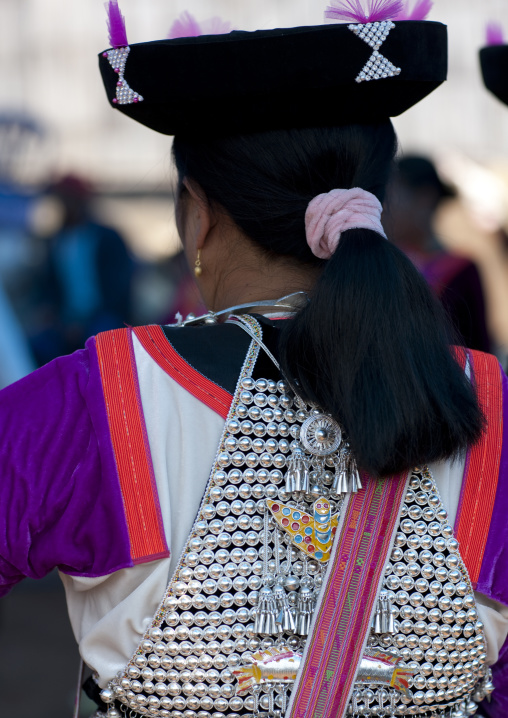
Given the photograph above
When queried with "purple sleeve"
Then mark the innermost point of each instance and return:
(59, 489)
(493, 580)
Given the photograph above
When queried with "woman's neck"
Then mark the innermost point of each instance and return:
(258, 288)
(246, 275)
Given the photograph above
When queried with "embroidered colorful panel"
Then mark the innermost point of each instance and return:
(481, 474)
(130, 444)
(155, 342)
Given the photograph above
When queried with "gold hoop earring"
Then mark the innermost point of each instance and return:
(198, 270)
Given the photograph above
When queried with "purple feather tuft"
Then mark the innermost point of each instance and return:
(495, 35)
(116, 25)
(420, 11)
(354, 10)
(187, 26)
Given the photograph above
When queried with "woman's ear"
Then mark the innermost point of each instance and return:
(194, 217)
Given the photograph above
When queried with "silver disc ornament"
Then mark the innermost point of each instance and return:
(321, 435)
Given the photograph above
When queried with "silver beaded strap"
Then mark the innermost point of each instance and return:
(239, 322)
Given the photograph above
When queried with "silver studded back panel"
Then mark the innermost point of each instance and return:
(207, 628)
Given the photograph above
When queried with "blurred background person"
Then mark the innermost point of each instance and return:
(415, 194)
(17, 252)
(86, 284)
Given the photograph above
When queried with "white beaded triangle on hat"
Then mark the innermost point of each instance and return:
(378, 66)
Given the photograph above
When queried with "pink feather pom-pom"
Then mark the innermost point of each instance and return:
(420, 11)
(369, 11)
(116, 25)
(495, 35)
(187, 26)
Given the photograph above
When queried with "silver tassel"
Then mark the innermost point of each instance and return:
(266, 613)
(297, 477)
(382, 696)
(393, 703)
(355, 481)
(339, 485)
(354, 700)
(347, 477)
(383, 618)
(271, 702)
(285, 620)
(304, 609)
(368, 696)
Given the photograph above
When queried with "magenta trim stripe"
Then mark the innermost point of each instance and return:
(341, 626)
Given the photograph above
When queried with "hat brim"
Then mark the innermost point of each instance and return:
(273, 79)
(494, 64)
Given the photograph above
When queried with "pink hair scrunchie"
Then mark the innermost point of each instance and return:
(330, 214)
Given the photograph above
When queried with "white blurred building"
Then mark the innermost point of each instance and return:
(48, 68)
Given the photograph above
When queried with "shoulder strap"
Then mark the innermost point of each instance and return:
(130, 444)
(478, 504)
(342, 621)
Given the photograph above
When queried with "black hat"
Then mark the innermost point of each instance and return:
(272, 79)
(494, 64)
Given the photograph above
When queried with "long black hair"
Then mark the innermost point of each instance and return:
(372, 347)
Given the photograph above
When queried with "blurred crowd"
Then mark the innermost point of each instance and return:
(66, 274)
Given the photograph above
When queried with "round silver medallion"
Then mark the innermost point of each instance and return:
(321, 435)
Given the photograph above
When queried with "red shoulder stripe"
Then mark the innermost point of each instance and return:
(481, 474)
(155, 342)
(130, 444)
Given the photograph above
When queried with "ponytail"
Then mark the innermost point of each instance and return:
(372, 346)
(372, 349)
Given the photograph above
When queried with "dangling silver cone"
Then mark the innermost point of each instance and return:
(339, 485)
(303, 626)
(286, 620)
(304, 612)
(356, 483)
(302, 480)
(343, 483)
(290, 482)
